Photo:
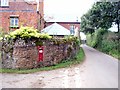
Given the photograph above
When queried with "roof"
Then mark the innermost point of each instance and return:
(64, 22)
(56, 29)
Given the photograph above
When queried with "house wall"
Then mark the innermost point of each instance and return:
(26, 12)
(65, 24)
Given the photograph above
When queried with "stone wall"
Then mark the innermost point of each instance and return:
(22, 56)
(55, 53)
(25, 55)
(6, 50)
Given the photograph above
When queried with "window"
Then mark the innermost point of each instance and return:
(4, 2)
(72, 28)
(14, 21)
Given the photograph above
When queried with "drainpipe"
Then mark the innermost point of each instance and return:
(39, 16)
(37, 5)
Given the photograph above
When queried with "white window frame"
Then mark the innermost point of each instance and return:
(13, 22)
(72, 29)
(4, 2)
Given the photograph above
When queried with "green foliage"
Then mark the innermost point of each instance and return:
(39, 43)
(105, 41)
(1, 33)
(107, 45)
(71, 38)
(66, 39)
(95, 39)
(110, 47)
(101, 15)
(27, 33)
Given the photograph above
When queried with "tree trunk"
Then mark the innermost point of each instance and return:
(118, 24)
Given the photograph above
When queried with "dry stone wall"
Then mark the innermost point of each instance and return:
(25, 55)
(22, 56)
(55, 53)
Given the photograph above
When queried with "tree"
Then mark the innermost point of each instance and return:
(116, 13)
(101, 15)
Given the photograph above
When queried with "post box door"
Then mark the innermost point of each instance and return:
(40, 53)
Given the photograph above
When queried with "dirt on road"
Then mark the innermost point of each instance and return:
(97, 71)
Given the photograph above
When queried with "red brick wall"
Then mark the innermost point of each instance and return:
(68, 25)
(26, 13)
(65, 24)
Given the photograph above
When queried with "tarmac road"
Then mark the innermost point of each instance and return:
(97, 71)
(100, 70)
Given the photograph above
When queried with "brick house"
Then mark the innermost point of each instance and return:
(68, 25)
(14, 13)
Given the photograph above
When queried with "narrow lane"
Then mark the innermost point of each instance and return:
(97, 71)
(100, 70)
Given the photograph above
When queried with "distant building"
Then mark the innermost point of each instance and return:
(14, 13)
(56, 29)
(68, 25)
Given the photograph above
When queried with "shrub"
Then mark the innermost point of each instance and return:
(105, 41)
(27, 33)
(66, 39)
(1, 33)
(96, 38)
(107, 46)
(31, 34)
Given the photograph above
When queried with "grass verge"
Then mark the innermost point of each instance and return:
(67, 63)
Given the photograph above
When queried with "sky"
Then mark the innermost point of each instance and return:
(66, 10)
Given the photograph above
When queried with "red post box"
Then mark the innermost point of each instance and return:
(40, 53)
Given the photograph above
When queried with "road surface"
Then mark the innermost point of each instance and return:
(97, 71)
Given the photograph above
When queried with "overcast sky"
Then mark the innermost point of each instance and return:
(66, 10)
